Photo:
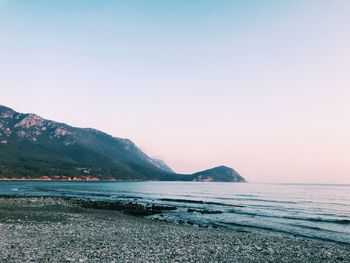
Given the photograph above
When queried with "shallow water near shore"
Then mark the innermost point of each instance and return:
(307, 210)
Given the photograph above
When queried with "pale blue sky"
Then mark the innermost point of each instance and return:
(261, 86)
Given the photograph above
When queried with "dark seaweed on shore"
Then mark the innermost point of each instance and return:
(130, 208)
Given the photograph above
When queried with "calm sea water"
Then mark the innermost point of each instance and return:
(314, 211)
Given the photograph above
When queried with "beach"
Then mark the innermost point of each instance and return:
(47, 229)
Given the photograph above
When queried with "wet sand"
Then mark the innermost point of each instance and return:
(58, 230)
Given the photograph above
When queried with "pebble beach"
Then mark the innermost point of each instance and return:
(38, 229)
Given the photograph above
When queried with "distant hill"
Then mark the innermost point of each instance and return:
(218, 174)
(33, 147)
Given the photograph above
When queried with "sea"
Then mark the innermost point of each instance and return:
(316, 211)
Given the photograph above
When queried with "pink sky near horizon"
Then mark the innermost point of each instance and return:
(260, 86)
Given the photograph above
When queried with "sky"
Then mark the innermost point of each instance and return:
(260, 86)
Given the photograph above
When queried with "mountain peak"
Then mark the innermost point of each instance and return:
(6, 112)
(3, 107)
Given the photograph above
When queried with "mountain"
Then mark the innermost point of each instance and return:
(33, 147)
(218, 174)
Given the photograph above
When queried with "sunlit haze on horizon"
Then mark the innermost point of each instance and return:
(260, 86)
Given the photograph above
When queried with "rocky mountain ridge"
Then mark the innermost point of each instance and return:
(33, 147)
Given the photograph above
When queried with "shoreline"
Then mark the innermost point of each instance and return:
(53, 229)
(147, 210)
(63, 180)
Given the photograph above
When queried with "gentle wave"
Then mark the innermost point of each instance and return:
(320, 220)
(261, 200)
(313, 228)
(197, 202)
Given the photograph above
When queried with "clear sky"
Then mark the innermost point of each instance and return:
(261, 86)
